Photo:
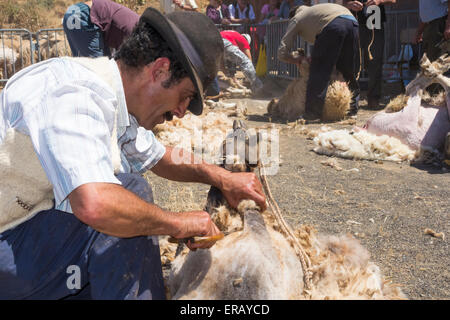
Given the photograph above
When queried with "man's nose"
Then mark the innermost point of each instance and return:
(181, 110)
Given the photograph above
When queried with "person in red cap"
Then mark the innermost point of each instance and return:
(238, 55)
(76, 217)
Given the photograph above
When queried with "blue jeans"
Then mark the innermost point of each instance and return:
(85, 38)
(39, 256)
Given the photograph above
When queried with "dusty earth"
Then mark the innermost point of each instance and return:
(386, 205)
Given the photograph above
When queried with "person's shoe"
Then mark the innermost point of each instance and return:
(309, 117)
(351, 114)
(373, 104)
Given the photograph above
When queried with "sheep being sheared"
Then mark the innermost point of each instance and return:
(262, 258)
(292, 104)
(420, 126)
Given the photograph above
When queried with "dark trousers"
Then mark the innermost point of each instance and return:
(85, 38)
(373, 67)
(43, 257)
(336, 46)
(432, 35)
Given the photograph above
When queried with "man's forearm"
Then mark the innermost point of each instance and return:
(180, 165)
(111, 209)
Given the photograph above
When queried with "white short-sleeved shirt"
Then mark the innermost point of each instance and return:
(236, 13)
(68, 111)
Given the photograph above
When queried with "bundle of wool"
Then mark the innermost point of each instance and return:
(400, 101)
(231, 109)
(201, 134)
(361, 144)
(292, 104)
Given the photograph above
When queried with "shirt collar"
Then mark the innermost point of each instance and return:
(123, 119)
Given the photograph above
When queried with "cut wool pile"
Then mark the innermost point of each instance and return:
(400, 101)
(199, 134)
(362, 145)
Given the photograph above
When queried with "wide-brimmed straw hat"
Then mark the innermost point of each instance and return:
(197, 43)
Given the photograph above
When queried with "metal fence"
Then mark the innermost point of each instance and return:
(20, 48)
(51, 43)
(16, 51)
(276, 68)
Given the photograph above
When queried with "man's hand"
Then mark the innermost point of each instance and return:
(237, 186)
(355, 5)
(373, 3)
(196, 223)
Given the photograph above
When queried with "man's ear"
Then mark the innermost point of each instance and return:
(160, 69)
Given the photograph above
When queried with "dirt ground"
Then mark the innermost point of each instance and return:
(386, 205)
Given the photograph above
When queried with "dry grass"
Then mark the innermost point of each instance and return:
(39, 14)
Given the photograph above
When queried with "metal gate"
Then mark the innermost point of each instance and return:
(20, 48)
(16, 51)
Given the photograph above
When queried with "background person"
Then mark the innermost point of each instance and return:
(333, 31)
(286, 6)
(96, 213)
(95, 27)
(433, 29)
(375, 39)
(242, 12)
(237, 55)
(218, 12)
(169, 6)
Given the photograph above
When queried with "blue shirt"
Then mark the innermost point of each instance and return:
(432, 9)
(285, 8)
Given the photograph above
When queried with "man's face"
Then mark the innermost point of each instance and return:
(167, 102)
(151, 101)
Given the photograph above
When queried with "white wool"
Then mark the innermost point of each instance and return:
(362, 145)
(199, 134)
(7, 54)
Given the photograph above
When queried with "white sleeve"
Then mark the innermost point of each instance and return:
(232, 13)
(193, 4)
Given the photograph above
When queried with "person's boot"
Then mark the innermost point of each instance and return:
(354, 105)
(310, 117)
(373, 104)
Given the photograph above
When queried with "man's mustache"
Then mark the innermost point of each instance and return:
(168, 116)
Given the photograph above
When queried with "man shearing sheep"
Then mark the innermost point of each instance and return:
(84, 125)
(334, 32)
